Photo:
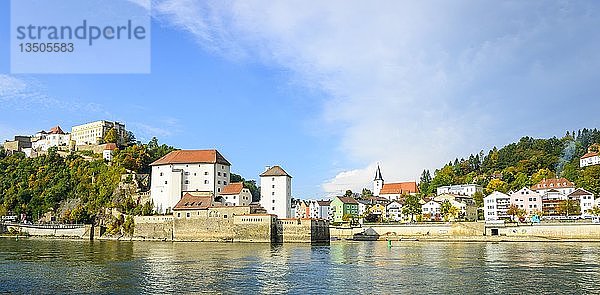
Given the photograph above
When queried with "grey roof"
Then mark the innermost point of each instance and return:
(378, 174)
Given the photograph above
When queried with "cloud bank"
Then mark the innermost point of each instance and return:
(413, 84)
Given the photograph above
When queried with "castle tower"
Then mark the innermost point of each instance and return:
(377, 182)
(276, 192)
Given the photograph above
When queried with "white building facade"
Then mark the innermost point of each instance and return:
(56, 137)
(94, 132)
(235, 194)
(187, 170)
(394, 211)
(495, 206)
(276, 192)
(460, 189)
(589, 159)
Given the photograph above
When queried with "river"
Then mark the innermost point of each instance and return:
(34, 266)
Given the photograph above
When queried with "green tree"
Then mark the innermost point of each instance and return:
(412, 206)
(366, 193)
(111, 136)
(567, 207)
(348, 193)
(478, 199)
(425, 183)
(497, 185)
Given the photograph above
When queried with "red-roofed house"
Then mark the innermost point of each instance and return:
(562, 185)
(235, 194)
(184, 171)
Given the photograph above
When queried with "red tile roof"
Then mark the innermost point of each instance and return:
(191, 202)
(589, 155)
(110, 146)
(275, 171)
(192, 156)
(553, 183)
(56, 130)
(399, 188)
(233, 188)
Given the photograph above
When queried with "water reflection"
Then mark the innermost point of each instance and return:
(60, 266)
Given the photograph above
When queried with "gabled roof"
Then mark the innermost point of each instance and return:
(275, 171)
(399, 188)
(234, 188)
(194, 202)
(56, 130)
(348, 200)
(192, 157)
(589, 155)
(580, 192)
(553, 183)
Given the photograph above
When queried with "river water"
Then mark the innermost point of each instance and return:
(34, 266)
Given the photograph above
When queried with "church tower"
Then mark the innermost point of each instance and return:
(377, 182)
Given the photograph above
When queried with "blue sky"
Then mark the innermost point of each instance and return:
(327, 90)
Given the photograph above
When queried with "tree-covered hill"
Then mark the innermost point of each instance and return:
(34, 186)
(520, 164)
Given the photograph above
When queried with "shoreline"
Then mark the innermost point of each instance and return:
(407, 239)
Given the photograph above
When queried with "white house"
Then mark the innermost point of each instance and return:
(562, 185)
(235, 194)
(585, 198)
(325, 211)
(495, 206)
(187, 170)
(108, 151)
(528, 200)
(432, 208)
(394, 211)
(460, 189)
(43, 140)
(589, 159)
(276, 192)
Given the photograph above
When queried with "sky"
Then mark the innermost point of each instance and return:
(329, 89)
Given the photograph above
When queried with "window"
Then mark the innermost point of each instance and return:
(187, 215)
(225, 182)
(219, 173)
(187, 182)
(178, 214)
(224, 216)
(165, 182)
(206, 173)
(225, 174)
(194, 173)
(161, 174)
(273, 179)
(205, 181)
(219, 189)
(219, 182)
(234, 197)
(273, 201)
(272, 193)
(273, 186)
(273, 208)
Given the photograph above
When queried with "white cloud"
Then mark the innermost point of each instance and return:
(411, 84)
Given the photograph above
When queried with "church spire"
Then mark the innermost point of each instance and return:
(378, 174)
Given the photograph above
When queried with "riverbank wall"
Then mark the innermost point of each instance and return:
(230, 225)
(474, 231)
(83, 231)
